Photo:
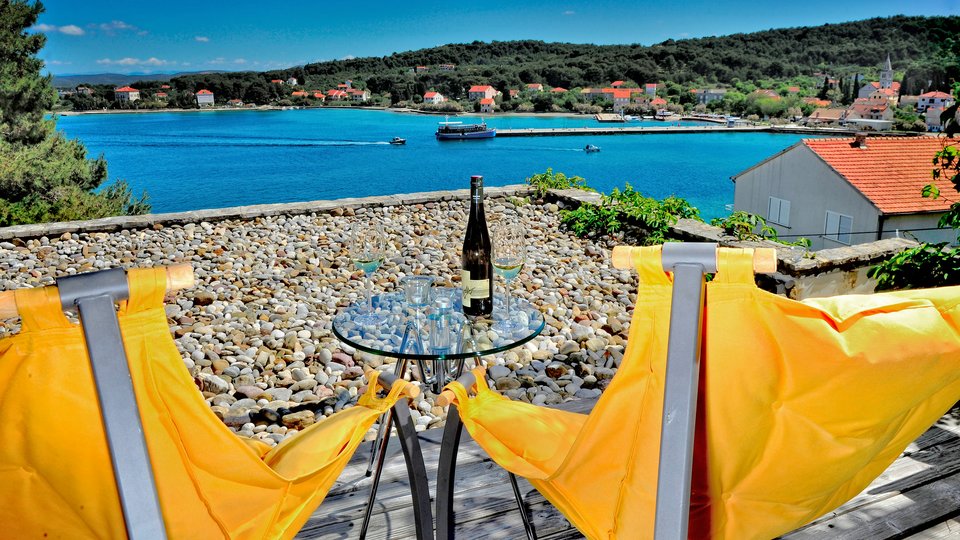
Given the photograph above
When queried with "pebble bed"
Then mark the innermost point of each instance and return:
(255, 332)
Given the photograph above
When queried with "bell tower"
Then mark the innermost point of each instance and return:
(886, 74)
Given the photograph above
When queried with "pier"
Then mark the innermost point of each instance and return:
(657, 130)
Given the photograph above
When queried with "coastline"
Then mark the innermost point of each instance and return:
(278, 108)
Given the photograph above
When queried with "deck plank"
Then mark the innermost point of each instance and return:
(917, 497)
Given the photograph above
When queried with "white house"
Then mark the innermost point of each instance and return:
(886, 85)
(126, 94)
(837, 192)
(433, 97)
(292, 81)
(478, 92)
(621, 99)
(939, 100)
(358, 95)
(487, 105)
(535, 87)
(205, 98)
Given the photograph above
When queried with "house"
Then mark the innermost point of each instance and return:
(126, 94)
(932, 118)
(793, 89)
(319, 95)
(892, 96)
(336, 95)
(292, 81)
(421, 69)
(358, 95)
(711, 95)
(658, 102)
(817, 102)
(616, 84)
(487, 105)
(478, 92)
(300, 93)
(235, 103)
(940, 100)
(84, 91)
(558, 90)
(592, 94)
(873, 113)
(838, 192)
(447, 67)
(204, 98)
(276, 81)
(769, 94)
(535, 87)
(650, 89)
(434, 98)
(159, 95)
(824, 116)
(621, 99)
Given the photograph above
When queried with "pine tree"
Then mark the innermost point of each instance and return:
(825, 88)
(43, 175)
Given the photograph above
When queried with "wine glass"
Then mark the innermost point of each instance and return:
(368, 244)
(509, 254)
(416, 290)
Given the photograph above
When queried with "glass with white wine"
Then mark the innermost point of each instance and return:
(368, 246)
(509, 254)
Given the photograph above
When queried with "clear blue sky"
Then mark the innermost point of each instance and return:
(177, 35)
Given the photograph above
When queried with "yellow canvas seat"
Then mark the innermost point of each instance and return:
(56, 479)
(801, 405)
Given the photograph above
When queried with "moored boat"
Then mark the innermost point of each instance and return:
(458, 130)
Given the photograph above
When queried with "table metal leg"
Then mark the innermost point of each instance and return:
(527, 526)
(399, 372)
(416, 471)
(446, 470)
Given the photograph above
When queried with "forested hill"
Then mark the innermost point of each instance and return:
(914, 45)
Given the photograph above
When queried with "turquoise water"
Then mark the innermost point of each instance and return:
(190, 161)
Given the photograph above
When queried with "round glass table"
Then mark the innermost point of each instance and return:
(439, 345)
(439, 338)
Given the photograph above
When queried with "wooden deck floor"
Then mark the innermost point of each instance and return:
(917, 497)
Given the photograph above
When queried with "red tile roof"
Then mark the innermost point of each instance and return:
(204, 92)
(616, 84)
(277, 81)
(890, 172)
(650, 85)
(936, 95)
(160, 94)
(126, 89)
(429, 95)
(621, 93)
(299, 93)
(480, 88)
(486, 101)
(535, 86)
(558, 90)
(658, 101)
(165, 86)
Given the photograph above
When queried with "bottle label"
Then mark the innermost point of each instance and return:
(473, 288)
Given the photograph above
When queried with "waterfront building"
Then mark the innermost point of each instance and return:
(433, 97)
(478, 92)
(710, 95)
(650, 89)
(235, 103)
(358, 95)
(126, 94)
(838, 192)
(205, 98)
(826, 116)
(319, 95)
(658, 102)
(870, 109)
(621, 99)
(487, 105)
(940, 100)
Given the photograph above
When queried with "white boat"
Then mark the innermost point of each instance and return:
(590, 148)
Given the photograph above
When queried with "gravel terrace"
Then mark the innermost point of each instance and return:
(255, 331)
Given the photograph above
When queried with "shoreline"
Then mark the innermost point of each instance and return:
(278, 108)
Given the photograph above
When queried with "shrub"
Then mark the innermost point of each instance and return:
(550, 180)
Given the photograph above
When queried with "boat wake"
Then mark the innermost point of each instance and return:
(264, 143)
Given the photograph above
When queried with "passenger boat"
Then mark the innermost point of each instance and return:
(666, 116)
(398, 140)
(458, 130)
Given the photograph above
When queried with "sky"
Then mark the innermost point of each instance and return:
(178, 36)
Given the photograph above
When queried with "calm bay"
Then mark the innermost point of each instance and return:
(215, 159)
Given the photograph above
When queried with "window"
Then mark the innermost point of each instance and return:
(778, 211)
(838, 227)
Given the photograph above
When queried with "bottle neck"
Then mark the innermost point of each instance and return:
(476, 200)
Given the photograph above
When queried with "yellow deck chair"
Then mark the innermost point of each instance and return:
(55, 466)
(801, 404)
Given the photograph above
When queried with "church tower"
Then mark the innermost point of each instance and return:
(886, 74)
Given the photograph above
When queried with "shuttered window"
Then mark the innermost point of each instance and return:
(778, 211)
(838, 227)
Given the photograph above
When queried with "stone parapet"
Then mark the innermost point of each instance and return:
(117, 223)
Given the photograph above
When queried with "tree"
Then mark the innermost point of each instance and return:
(43, 175)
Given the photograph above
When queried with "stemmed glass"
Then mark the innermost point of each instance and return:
(509, 254)
(368, 244)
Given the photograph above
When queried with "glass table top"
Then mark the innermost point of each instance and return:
(403, 333)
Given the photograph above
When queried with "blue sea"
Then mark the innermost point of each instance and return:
(190, 161)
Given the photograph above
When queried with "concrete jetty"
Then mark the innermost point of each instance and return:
(657, 130)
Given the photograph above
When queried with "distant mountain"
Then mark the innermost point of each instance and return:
(118, 79)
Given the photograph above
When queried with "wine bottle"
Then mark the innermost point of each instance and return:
(477, 270)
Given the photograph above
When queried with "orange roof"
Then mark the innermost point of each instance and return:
(204, 92)
(890, 172)
(126, 89)
(486, 101)
(650, 85)
(616, 83)
(538, 86)
(278, 81)
(165, 86)
(558, 89)
(793, 89)
(480, 88)
(429, 95)
(621, 93)
(658, 101)
(936, 95)
(298, 93)
(160, 94)
(318, 95)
